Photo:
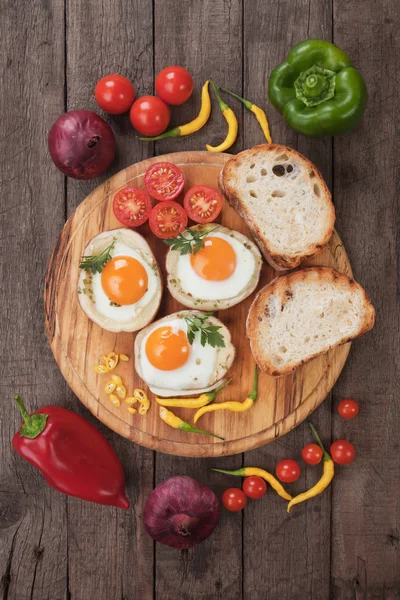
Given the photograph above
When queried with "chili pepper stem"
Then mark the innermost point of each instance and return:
(213, 394)
(188, 427)
(222, 105)
(239, 472)
(253, 394)
(175, 132)
(247, 103)
(318, 440)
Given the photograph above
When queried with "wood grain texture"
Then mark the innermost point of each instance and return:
(109, 555)
(291, 559)
(79, 344)
(205, 37)
(365, 502)
(33, 554)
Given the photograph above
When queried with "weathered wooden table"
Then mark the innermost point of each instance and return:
(345, 544)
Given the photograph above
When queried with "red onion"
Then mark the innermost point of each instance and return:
(81, 144)
(181, 512)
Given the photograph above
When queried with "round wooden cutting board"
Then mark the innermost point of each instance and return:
(78, 344)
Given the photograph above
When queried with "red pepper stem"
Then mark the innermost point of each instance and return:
(318, 440)
(222, 105)
(247, 103)
(33, 425)
(24, 413)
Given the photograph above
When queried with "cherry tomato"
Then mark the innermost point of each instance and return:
(348, 408)
(202, 204)
(234, 499)
(164, 181)
(174, 85)
(312, 454)
(150, 115)
(254, 487)
(131, 206)
(343, 452)
(167, 219)
(115, 94)
(288, 470)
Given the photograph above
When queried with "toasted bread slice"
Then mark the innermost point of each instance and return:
(301, 315)
(284, 200)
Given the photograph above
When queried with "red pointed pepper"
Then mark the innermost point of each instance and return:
(72, 455)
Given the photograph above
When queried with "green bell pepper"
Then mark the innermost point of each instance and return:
(318, 90)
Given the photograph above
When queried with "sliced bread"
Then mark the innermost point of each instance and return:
(303, 314)
(284, 200)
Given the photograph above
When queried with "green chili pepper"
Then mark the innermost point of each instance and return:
(318, 90)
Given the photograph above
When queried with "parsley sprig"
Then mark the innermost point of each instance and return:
(190, 241)
(96, 263)
(209, 333)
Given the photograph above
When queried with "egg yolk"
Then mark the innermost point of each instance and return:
(124, 280)
(216, 261)
(167, 350)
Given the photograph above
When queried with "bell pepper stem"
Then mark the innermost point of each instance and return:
(318, 440)
(34, 424)
(247, 103)
(222, 105)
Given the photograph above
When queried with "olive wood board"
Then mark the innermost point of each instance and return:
(78, 344)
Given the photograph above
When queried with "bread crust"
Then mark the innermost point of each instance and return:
(282, 284)
(280, 262)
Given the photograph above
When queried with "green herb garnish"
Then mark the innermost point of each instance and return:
(190, 241)
(209, 334)
(96, 263)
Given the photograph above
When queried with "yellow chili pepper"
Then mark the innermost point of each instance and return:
(233, 406)
(111, 360)
(177, 423)
(131, 400)
(233, 126)
(132, 410)
(248, 471)
(110, 387)
(114, 400)
(120, 390)
(141, 397)
(257, 111)
(101, 369)
(322, 484)
(193, 126)
(192, 402)
(123, 357)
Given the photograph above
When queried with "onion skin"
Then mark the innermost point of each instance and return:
(181, 512)
(81, 144)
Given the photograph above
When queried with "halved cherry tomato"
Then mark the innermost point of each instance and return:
(254, 487)
(167, 219)
(343, 452)
(164, 181)
(348, 408)
(114, 93)
(312, 454)
(234, 499)
(132, 206)
(202, 204)
(174, 85)
(150, 115)
(288, 470)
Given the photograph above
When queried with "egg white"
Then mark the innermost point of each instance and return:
(120, 314)
(202, 289)
(196, 373)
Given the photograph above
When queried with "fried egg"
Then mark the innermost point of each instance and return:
(221, 274)
(126, 294)
(171, 366)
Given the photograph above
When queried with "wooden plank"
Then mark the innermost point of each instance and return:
(109, 554)
(204, 37)
(285, 556)
(32, 557)
(365, 518)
